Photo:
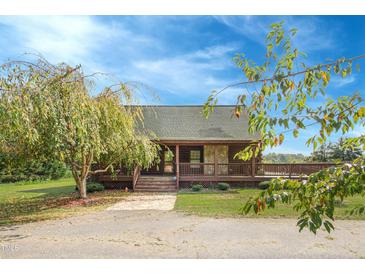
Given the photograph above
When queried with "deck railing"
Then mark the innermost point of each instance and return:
(234, 169)
(196, 169)
(290, 169)
(245, 169)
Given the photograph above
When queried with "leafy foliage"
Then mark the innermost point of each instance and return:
(223, 186)
(46, 112)
(264, 184)
(315, 197)
(94, 187)
(12, 169)
(197, 187)
(277, 102)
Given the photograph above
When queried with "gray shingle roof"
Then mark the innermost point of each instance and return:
(188, 123)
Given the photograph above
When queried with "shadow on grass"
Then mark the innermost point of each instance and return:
(51, 190)
(12, 210)
(28, 209)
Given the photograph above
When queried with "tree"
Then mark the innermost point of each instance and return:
(337, 151)
(276, 100)
(322, 153)
(340, 152)
(46, 112)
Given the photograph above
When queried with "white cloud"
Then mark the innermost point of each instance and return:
(311, 35)
(97, 44)
(190, 73)
(338, 81)
(71, 39)
(66, 39)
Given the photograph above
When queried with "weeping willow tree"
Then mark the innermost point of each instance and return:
(278, 98)
(46, 111)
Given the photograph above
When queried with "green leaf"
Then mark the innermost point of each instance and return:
(295, 133)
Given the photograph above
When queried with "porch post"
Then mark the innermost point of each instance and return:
(253, 163)
(215, 163)
(177, 156)
(136, 174)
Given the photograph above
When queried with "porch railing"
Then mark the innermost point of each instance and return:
(196, 169)
(234, 169)
(245, 169)
(287, 169)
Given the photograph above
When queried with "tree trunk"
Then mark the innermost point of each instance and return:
(81, 183)
(80, 174)
(82, 190)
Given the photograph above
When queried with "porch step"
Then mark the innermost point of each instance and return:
(156, 179)
(155, 190)
(153, 184)
(156, 184)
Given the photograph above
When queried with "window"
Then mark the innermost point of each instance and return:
(195, 158)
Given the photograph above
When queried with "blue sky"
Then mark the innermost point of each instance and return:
(181, 59)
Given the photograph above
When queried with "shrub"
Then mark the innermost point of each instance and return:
(196, 187)
(223, 186)
(93, 187)
(12, 169)
(264, 184)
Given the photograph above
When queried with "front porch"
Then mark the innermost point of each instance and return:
(183, 164)
(201, 162)
(215, 162)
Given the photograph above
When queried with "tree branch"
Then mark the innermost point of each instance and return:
(289, 74)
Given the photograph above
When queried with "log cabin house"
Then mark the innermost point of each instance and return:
(199, 150)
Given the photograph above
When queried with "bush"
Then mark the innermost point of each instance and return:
(196, 187)
(12, 169)
(93, 187)
(264, 184)
(223, 186)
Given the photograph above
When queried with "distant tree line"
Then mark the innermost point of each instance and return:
(284, 158)
(328, 152)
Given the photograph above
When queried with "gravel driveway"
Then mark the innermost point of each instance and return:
(139, 201)
(170, 234)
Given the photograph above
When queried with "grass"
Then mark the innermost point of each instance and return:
(42, 200)
(229, 204)
(34, 201)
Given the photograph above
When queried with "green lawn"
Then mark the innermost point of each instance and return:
(33, 201)
(28, 190)
(229, 204)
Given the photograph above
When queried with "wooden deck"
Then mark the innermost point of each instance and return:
(231, 170)
(210, 173)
